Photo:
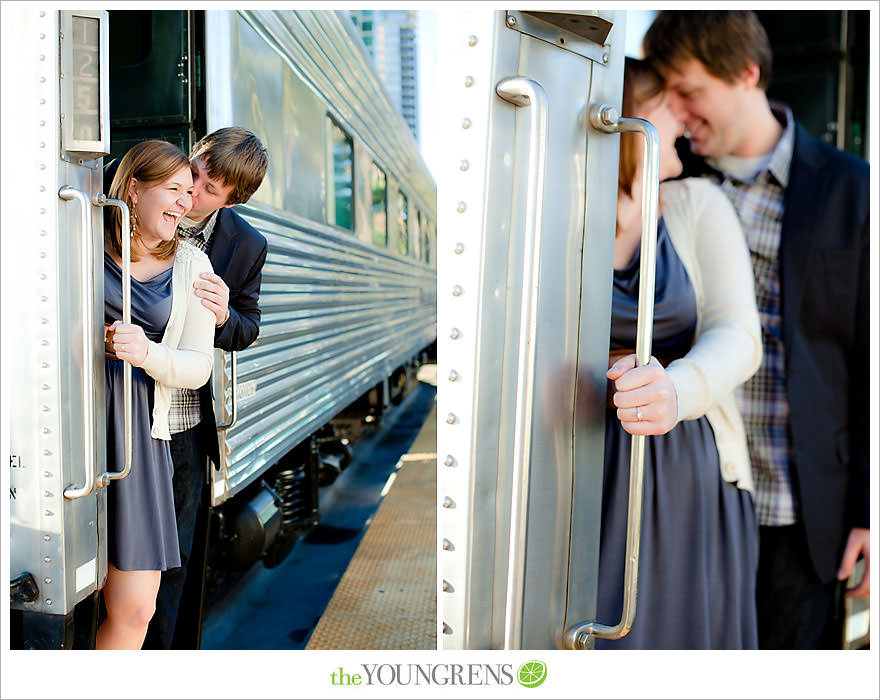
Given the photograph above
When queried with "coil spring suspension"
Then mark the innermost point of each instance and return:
(292, 488)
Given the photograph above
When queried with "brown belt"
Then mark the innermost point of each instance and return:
(615, 355)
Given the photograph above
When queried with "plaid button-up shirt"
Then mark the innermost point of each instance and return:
(185, 410)
(758, 197)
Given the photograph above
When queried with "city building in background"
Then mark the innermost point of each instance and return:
(390, 37)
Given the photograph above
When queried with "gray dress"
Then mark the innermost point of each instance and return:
(141, 525)
(699, 545)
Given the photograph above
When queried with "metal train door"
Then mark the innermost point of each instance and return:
(55, 64)
(528, 221)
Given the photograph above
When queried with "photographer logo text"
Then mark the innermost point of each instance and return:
(529, 675)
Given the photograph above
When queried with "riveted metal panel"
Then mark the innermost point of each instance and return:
(465, 605)
(52, 538)
(481, 288)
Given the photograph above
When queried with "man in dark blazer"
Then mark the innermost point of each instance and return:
(804, 210)
(228, 166)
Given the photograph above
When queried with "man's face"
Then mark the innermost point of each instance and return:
(714, 112)
(209, 194)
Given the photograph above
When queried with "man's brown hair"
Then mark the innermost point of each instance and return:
(640, 84)
(150, 163)
(724, 41)
(235, 156)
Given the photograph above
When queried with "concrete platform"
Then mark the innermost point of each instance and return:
(387, 598)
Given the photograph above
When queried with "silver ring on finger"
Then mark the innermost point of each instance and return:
(638, 413)
(122, 347)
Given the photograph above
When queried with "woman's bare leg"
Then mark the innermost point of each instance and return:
(130, 597)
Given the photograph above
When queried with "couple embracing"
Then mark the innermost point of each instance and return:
(195, 282)
(756, 472)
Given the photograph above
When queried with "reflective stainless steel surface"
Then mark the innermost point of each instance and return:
(604, 118)
(102, 201)
(233, 393)
(53, 538)
(68, 194)
(525, 93)
(572, 321)
(306, 64)
(339, 313)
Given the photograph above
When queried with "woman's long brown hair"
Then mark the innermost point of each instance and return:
(640, 83)
(150, 163)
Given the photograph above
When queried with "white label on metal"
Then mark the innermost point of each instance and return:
(246, 389)
(857, 625)
(85, 574)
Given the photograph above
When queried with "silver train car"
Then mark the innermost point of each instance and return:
(348, 293)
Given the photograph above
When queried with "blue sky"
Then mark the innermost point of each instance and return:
(427, 68)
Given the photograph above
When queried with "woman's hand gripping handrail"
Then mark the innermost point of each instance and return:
(99, 200)
(606, 120)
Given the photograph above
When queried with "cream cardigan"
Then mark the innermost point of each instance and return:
(185, 357)
(706, 234)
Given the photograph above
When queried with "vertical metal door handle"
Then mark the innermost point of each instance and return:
(605, 119)
(99, 200)
(73, 492)
(525, 92)
(233, 416)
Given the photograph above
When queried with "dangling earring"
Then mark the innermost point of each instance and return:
(134, 221)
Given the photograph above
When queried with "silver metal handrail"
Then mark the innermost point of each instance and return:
(73, 492)
(99, 200)
(233, 413)
(525, 92)
(606, 119)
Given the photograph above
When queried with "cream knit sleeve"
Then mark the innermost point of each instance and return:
(727, 349)
(189, 365)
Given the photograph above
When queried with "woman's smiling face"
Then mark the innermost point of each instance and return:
(159, 207)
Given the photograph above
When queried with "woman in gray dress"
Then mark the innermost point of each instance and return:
(168, 344)
(699, 546)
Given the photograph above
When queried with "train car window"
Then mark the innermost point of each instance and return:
(262, 87)
(416, 237)
(379, 211)
(340, 189)
(432, 237)
(425, 233)
(402, 224)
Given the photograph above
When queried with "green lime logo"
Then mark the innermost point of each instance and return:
(531, 674)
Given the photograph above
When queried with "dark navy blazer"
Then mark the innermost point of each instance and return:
(824, 264)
